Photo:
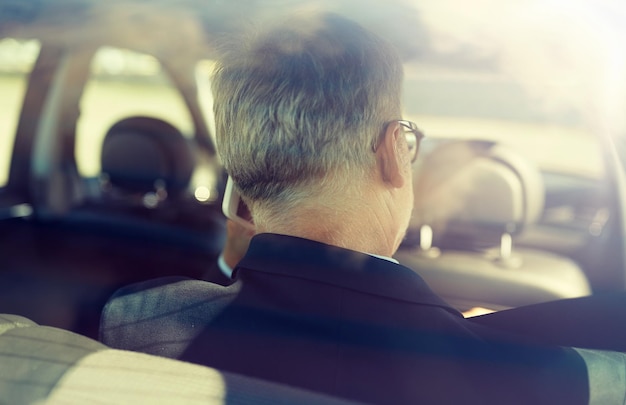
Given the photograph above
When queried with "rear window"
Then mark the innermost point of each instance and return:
(17, 58)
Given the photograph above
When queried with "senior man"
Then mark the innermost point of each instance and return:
(309, 127)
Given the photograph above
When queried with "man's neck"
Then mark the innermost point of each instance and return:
(359, 228)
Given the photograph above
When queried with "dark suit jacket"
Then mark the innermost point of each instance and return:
(351, 325)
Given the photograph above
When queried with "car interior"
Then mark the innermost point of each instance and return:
(103, 193)
(112, 175)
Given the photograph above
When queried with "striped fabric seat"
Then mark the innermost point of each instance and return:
(45, 365)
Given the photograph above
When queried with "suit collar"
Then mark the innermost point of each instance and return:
(315, 261)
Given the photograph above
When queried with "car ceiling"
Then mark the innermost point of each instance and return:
(161, 26)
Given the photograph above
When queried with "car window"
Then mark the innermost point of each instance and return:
(205, 97)
(17, 58)
(124, 83)
(482, 104)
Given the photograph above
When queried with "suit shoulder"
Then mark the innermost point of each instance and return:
(138, 315)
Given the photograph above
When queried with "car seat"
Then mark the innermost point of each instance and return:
(472, 198)
(147, 165)
(146, 160)
(143, 224)
(47, 365)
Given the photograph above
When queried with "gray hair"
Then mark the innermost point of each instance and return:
(301, 103)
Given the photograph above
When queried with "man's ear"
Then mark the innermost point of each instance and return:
(389, 156)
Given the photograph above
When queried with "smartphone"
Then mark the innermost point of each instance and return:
(234, 208)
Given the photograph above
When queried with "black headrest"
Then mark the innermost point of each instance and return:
(140, 152)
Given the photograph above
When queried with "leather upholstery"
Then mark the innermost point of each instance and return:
(475, 197)
(138, 152)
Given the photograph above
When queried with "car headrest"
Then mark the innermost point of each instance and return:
(475, 191)
(140, 153)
